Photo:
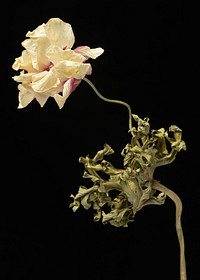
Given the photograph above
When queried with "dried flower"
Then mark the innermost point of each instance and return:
(49, 67)
(134, 185)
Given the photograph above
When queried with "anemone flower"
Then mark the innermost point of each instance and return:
(49, 67)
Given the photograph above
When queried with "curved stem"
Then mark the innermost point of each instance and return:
(178, 204)
(111, 101)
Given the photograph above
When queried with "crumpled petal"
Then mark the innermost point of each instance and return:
(69, 86)
(45, 82)
(37, 50)
(71, 69)
(57, 31)
(56, 54)
(88, 52)
(26, 95)
(23, 62)
(24, 78)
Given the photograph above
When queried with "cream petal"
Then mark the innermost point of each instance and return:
(68, 88)
(60, 99)
(23, 62)
(25, 78)
(37, 52)
(41, 98)
(56, 54)
(59, 33)
(88, 52)
(71, 69)
(26, 95)
(37, 32)
(44, 82)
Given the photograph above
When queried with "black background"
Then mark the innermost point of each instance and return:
(151, 61)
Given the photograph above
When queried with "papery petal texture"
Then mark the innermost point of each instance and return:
(49, 67)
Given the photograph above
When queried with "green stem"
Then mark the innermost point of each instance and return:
(111, 101)
(178, 204)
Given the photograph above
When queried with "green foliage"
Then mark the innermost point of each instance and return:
(134, 184)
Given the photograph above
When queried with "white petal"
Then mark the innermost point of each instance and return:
(25, 78)
(38, 32)
(23, 62)
(59, 33)
(37, 51)
(69, 86)
(71, 69)
(89, 53)
(26, 95)
(60, 99)
(56, 54)
(44, 82)
(41, 98)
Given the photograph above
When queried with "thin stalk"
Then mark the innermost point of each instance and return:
(112, 101)
(178, 204)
